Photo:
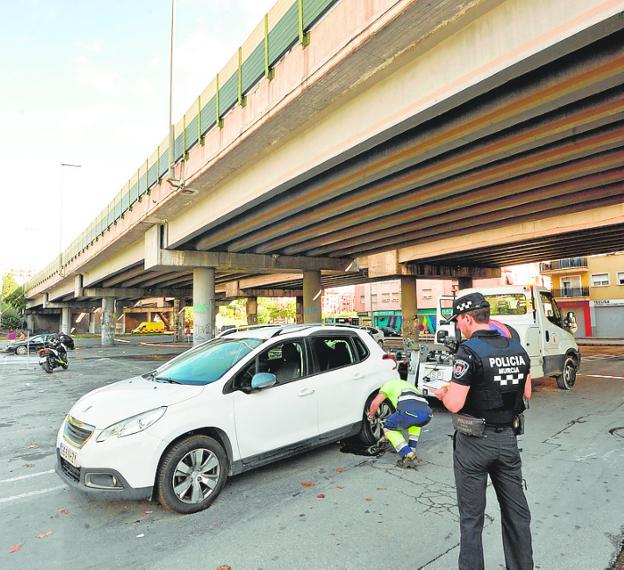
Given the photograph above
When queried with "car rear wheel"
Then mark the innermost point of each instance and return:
(372, 430)
(192, 474)
(21, 350)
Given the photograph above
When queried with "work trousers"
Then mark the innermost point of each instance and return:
(474, 458)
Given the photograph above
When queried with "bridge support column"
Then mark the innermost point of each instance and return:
(30, 324)
(203, 304)
(464, 282)
(299, 310)
(65, 320)
(409, 309)
(312, 297)
(252, 310)
(108, 321)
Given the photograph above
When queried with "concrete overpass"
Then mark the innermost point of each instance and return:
(380, 139)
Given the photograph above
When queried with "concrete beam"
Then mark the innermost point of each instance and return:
(157, 258)
(233, 290)
(134, 292)
(164, 259)
(514, 233)
(387, 264)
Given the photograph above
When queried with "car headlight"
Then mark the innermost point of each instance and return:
(135, 424)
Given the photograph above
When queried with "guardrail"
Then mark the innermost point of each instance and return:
(571, 292)
(287, 23)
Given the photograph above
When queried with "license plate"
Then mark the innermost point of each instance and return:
(69, 455)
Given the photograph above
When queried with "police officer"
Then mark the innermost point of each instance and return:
(490, 380)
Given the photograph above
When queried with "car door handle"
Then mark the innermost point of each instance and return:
(305, 392)
(358, 376)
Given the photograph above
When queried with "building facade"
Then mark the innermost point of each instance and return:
(593, 288)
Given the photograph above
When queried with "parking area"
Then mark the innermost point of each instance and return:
(324, 509)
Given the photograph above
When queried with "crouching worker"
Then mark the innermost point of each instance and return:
(412, 413)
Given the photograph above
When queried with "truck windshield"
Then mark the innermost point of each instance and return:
(508, 304)
(208, 363)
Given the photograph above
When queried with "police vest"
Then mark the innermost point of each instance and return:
(497, 392)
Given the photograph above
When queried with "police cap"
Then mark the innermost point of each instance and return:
(467, 303)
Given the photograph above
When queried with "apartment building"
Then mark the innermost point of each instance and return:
(592, 287)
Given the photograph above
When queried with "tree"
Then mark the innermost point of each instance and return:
(8, 285)
(10, 317)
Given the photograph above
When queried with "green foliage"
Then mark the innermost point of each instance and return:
(11, 319)
(8, 286)
(16, 299)
(269, 311)
(13, 303)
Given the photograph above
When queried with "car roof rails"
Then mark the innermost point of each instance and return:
(295, 327)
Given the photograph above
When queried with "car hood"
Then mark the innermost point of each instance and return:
(110, 404)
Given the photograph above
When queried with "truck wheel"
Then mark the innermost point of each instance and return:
(568, 377)
(372, 430)
(191, 474)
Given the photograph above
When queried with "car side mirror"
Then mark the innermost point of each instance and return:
(441, 336)
(263, 380)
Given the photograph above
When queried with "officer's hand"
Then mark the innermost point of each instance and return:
(440, 392)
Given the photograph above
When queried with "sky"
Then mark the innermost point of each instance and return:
(87, 82)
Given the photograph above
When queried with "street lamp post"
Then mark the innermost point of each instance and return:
(63, 165)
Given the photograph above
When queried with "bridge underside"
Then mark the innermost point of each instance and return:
(548, 145)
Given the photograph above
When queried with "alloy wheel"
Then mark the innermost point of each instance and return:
(196, 475)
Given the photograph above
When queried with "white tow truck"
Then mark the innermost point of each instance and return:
(544, 332)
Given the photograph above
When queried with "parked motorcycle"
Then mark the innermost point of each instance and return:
(53, 356)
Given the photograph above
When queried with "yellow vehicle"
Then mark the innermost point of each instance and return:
(150, 327)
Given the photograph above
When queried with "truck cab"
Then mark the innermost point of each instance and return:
(533, 313)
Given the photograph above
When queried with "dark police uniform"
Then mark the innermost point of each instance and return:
(496, 369)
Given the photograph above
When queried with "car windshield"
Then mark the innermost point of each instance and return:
(207, 363)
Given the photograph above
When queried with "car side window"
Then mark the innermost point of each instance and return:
(360, 349)
(286, 360)
(333, 352)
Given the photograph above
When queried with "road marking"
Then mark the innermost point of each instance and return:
(32, 494)
(27, 476)
(602, 376)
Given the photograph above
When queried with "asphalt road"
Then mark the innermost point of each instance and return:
(360, 513)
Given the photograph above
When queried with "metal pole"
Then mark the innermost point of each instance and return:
(171, 126)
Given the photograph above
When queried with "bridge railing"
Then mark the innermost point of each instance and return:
(287, 23)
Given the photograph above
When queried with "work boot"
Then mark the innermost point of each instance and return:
(407, 461)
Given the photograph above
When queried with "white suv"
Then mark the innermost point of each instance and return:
(226, 406)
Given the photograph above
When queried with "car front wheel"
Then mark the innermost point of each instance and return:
(21, 350)
(192, 474)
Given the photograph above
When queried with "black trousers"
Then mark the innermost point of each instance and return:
(496, 455)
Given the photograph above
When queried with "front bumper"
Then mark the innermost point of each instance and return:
(100, 482)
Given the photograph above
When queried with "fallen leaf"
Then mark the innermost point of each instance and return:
(27, 465)
(320, 496)
(308, 484)
(44, 534)
(33, 446)
(140, 535)
(369, 499)
(148, 512)
(224, 567)
(15, 548)
(339, 469)
(63, 511)
(339, 487)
